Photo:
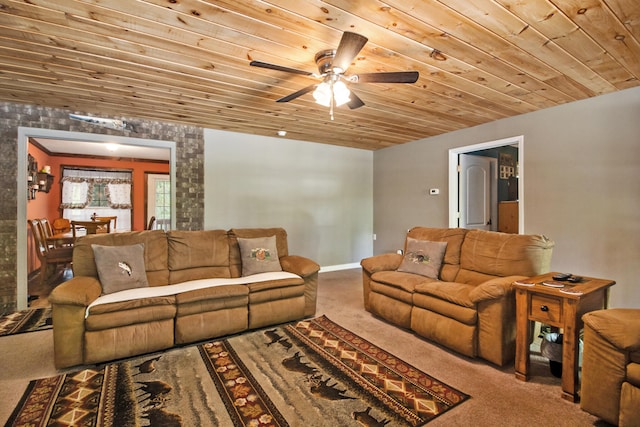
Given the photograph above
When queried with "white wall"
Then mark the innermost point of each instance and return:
(321, 194)
(581, 164)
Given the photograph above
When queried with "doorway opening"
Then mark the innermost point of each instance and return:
(158, 201)
(455, 185)
(24, 133)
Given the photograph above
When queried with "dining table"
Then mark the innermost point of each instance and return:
(92, 226)
(66, 238)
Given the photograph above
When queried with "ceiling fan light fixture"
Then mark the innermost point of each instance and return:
(323, 93)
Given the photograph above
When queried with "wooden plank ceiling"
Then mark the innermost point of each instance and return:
(187, 61)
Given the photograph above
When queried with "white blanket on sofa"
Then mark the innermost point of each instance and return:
(192, 285)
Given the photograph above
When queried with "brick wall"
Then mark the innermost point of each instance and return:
(189, 174)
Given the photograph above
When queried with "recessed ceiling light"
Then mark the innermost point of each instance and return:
(282, 132)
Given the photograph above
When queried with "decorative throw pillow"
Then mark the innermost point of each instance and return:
(120, 267)
(259, 255)
(423, 257)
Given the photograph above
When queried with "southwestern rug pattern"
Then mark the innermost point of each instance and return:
(31, 320)
(310, 373)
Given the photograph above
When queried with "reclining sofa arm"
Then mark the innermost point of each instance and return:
(371, 265)
(299, 265)
(69, 301)
(308, 270)
(493, 289)
(81, 290)
(496, 307)
(384, 262)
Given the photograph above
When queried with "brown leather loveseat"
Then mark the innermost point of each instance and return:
(198, 286)
(611, 366)
(464, 299)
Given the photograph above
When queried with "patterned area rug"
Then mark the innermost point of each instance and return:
(310, 373)
(36, 319)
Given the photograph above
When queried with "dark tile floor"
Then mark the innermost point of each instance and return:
(39, 294)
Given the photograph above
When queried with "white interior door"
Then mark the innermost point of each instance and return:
(476, 194)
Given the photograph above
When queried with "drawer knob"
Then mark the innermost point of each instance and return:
(544, 308)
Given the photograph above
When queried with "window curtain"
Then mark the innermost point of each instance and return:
(77, 188)
(77, 191)
(119, 194)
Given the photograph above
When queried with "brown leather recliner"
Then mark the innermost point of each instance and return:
(611, 366)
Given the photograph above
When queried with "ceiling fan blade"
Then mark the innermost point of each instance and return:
(394, 77)
(279, 68)
(349, 47)
(295, 95)
(355, 102)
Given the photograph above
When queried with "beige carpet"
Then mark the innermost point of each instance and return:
(498, 399)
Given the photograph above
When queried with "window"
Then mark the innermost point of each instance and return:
(95, 191)
(98, 195)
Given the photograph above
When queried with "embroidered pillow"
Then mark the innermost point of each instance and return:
(120, 267)
(259, 255)
(423, 257)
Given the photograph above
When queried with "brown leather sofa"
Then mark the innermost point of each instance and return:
(610, 386)
(470, 306)
(176, 259)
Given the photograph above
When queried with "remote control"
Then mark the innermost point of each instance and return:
(561, 276)
(574, 279)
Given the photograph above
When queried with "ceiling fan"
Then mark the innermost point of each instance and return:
(332, 65)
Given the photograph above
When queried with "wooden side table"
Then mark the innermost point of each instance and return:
(557, 307)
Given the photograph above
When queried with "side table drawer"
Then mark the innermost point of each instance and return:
(545, 309)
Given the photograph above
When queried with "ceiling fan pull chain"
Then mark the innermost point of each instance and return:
(333, 99)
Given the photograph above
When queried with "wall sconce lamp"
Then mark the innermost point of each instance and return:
(38, 180)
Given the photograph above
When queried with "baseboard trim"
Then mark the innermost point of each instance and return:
(339, 267)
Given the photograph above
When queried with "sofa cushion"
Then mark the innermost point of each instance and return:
(155, 253)
(453, 237)
(619, 326)
(426, 303)
(502, 254)
(195, 255)
(423, 257)
(212, 299)
(132, 312)
(120, 267)
(259, 255)
(401, 280)
(457, 293)
(250, 233)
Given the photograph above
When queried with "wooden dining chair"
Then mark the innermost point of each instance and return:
(61, 225)
(47, 231)
(46, 227)
(50, 257)
(112, 219)
(152, 221)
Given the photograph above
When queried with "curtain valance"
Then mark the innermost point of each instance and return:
(77, 191)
